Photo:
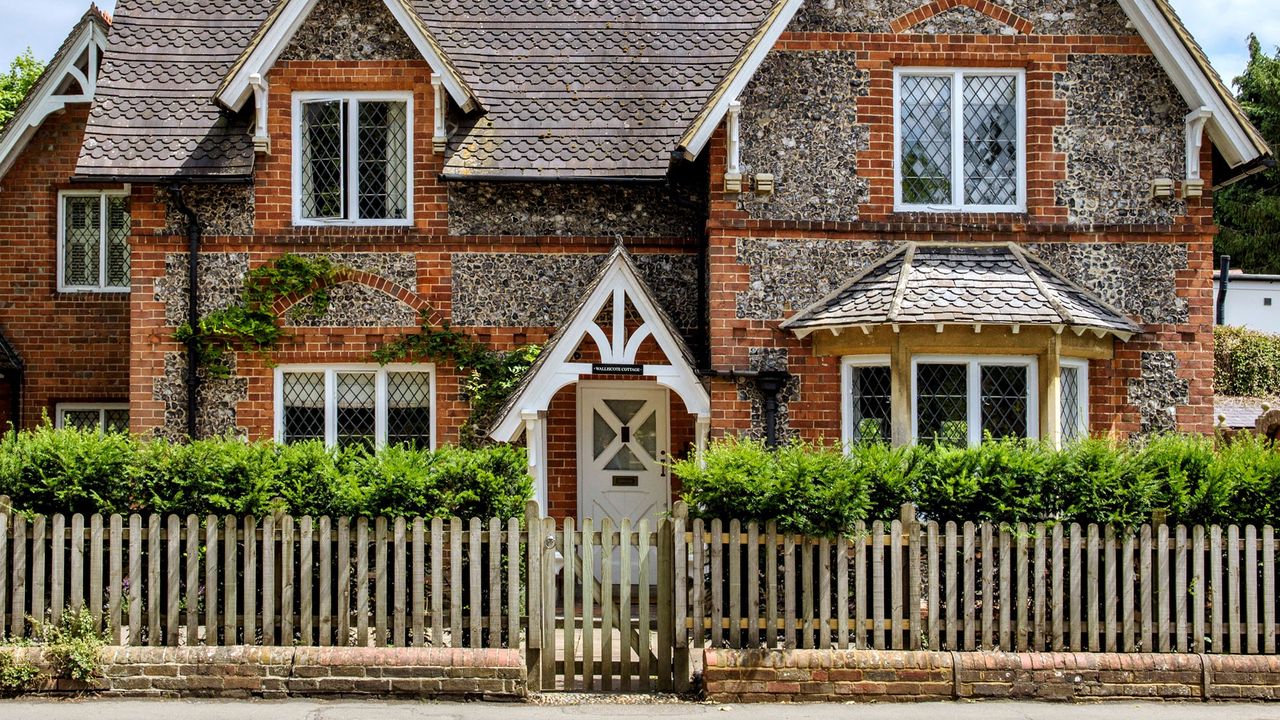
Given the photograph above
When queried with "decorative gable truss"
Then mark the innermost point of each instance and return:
(246, 78)
(70, 78)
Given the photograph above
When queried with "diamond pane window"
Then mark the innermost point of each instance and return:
(870, 409)
(354, 160)
(960, 140)
(1073, 381)
(357, 410)
(304, 400)
(100, 417)
(409, 409)
(357, 407)
(93, 242)
(1004, 401)
(942, 404)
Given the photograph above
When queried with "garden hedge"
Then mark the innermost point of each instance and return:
(819, 489)
(69, 471)
(1246, 363)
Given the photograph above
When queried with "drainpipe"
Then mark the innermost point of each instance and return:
(193, 307)
(1224, 277)
(769, 383)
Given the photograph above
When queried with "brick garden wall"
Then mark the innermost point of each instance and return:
(911, 676)
(281, 672)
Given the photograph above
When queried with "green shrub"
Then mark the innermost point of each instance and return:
(15, 676)
(70, 471)
(73, 645)
(811, 489)
(1246, 362)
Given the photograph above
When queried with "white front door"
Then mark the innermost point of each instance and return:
(623, 445)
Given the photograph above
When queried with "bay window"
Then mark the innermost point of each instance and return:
(960, 140)
(959, 401)
(868, 396)
(1073, 380)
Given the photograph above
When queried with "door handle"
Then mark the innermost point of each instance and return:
(663, 459)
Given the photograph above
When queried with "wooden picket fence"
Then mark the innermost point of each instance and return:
(617, 607)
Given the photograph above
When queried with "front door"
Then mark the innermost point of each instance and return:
(623, 444)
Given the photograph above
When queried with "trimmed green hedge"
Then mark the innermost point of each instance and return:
(820, 490)
(70, 471)
(1246, 363)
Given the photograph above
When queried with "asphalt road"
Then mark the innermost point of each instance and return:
(355, 710)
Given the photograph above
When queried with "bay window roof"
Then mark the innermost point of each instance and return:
(961, 284)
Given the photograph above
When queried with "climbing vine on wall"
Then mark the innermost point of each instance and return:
(489, 376)
(252, 323)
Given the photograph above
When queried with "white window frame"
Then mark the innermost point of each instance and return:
(61, 409)
(104, 197)
(847, 364)
(351, 170)
(1081, 366)
(974, 363)
(331, 397)
(957, 76)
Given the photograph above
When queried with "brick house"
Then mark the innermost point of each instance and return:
(824, 219)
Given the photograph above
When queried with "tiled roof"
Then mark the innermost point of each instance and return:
(921, 283)
(585, 88)
(153, 116)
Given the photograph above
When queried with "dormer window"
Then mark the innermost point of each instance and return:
(960, 137)
(352, 159)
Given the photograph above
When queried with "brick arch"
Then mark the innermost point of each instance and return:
(1000, 14)
(347, 275)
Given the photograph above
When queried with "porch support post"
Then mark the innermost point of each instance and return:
(1051, 382)
(900, 391)
(535, 439)
(701, 431)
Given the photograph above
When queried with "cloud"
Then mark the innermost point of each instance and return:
(1223, 26)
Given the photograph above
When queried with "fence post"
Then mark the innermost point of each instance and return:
(680, 668)
(533, 602)
(666, 603)
(915, 618)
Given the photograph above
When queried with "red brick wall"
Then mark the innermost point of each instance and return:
(75, 345)
(816, 415)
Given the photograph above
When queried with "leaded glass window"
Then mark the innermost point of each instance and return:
(1074, 387)
(354, 157)
(103, 417)
(870, 394)
(94, 242)
(357, 407)
(959, 140)
(960, 402)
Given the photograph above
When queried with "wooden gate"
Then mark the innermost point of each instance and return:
(603, 605)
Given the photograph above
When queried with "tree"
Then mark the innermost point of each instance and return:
(1249, 211)
(23, 72)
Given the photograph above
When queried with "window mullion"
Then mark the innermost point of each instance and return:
(380, 409)
(330, 408)
(957, 139)
(351, 156)
(102, 241)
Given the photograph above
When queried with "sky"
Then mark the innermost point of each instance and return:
(1221, 26)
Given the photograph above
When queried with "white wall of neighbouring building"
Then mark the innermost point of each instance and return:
(1253, 301)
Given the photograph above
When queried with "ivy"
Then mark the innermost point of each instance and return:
(252, 324)
(489, 376)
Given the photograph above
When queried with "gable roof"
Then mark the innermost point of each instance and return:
(583, 89)
(74, 65)
(618, 279)
(961, 284)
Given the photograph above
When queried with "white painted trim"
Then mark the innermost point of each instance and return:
(621, 389)
(1197, 89)
(1195, 121)
(707, 127)
(101, 407)
(973, 364)
(556, 369)
(1081, 366)
(21, 128)
(847, 363)
(236, 89)
(351, 197)
(331, 371)
(958, 75)
(103, 196)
